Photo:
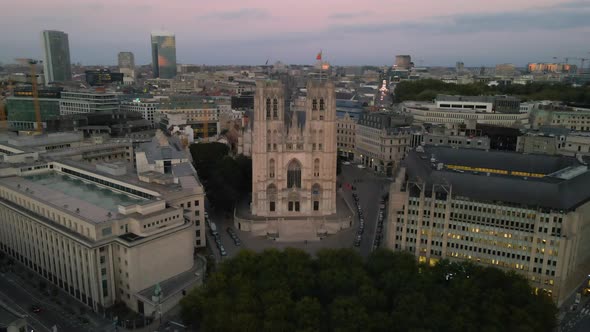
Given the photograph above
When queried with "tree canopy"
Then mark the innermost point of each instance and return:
(339, 291)
(226, 179)
(427, 89)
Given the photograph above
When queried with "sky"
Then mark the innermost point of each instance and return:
(367, 32)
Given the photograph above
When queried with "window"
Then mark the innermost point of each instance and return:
(267, 108)
(294, 174)
(316, 205)
(271, 194)
(275, 108)
(107, 231)
(321, 104)
(271, 168)
(316, 168)
(296, 206)
(290, 206)
(316, 194)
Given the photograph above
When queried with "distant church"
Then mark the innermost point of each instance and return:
(294, 161)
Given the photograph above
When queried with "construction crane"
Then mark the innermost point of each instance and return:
(33, 65)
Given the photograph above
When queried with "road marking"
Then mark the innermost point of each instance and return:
(24, 312)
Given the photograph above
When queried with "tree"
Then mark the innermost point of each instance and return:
(337, 290)
(226, 179)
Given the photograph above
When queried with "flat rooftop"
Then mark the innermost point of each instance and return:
(560, 182)
(89, 201)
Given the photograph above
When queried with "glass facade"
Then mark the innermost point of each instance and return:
(164, 55)
(21, 111)
(57, 65)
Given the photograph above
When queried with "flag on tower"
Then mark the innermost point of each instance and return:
(319, 56)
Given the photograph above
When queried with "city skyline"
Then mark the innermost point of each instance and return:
(477, 33)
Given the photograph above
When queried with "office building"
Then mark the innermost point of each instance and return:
(102, 77)
(148, 108)
(573, 118)
(90, 101)
(496, 104)
(20, 109)
(403, 62)
(424, 112)
(56, 65)
(346, 136)
(163, 55)
(104, 232)
(518, 212)
(552, 68)
(505, 69)
(382, 140)
(202, 113)
(126, 62)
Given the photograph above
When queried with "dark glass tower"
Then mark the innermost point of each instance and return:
(164, 54)
(57, 65)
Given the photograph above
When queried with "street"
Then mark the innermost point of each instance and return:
(370, 188)
(20, 296)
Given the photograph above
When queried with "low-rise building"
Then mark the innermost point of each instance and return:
(104, 232)
(489, 104)
(12, 320)
(519, 212)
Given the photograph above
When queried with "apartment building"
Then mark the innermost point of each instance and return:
(382, 140)
(518, 212)
(103, 231)
(573, 118)
(202, 113)
(345, 136)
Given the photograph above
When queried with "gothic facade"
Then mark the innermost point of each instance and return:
(294, 153)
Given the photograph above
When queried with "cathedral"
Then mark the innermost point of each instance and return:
(293, 157)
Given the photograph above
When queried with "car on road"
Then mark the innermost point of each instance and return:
(357, 241)
(361, 166)
(346, 163)
(35, 308)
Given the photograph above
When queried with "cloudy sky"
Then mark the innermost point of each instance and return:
(434, 32)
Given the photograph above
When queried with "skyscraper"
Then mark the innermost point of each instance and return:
(57, 65)
(127, 63)
(164, 54)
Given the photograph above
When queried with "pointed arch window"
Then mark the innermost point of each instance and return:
(316, 195)
(314, 105)
(271, 194)
(322, 106)
(271, 168)
(267, 108)
(294, 174)
(275, 108)
(316, 168)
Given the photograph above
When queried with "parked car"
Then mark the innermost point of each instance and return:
(35, 308)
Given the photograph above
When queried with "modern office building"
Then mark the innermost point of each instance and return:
(424, 112)
(100, 77)
(382, 140)
(573, 118)
(202, 113)
(76, 102)
(490, 104)
(57, 66)
(519, 212)
(148, 108)
(105, 232)
(20, 109)
(126, 62)
(163, 54)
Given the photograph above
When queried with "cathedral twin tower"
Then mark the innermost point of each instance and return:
(294, 153)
